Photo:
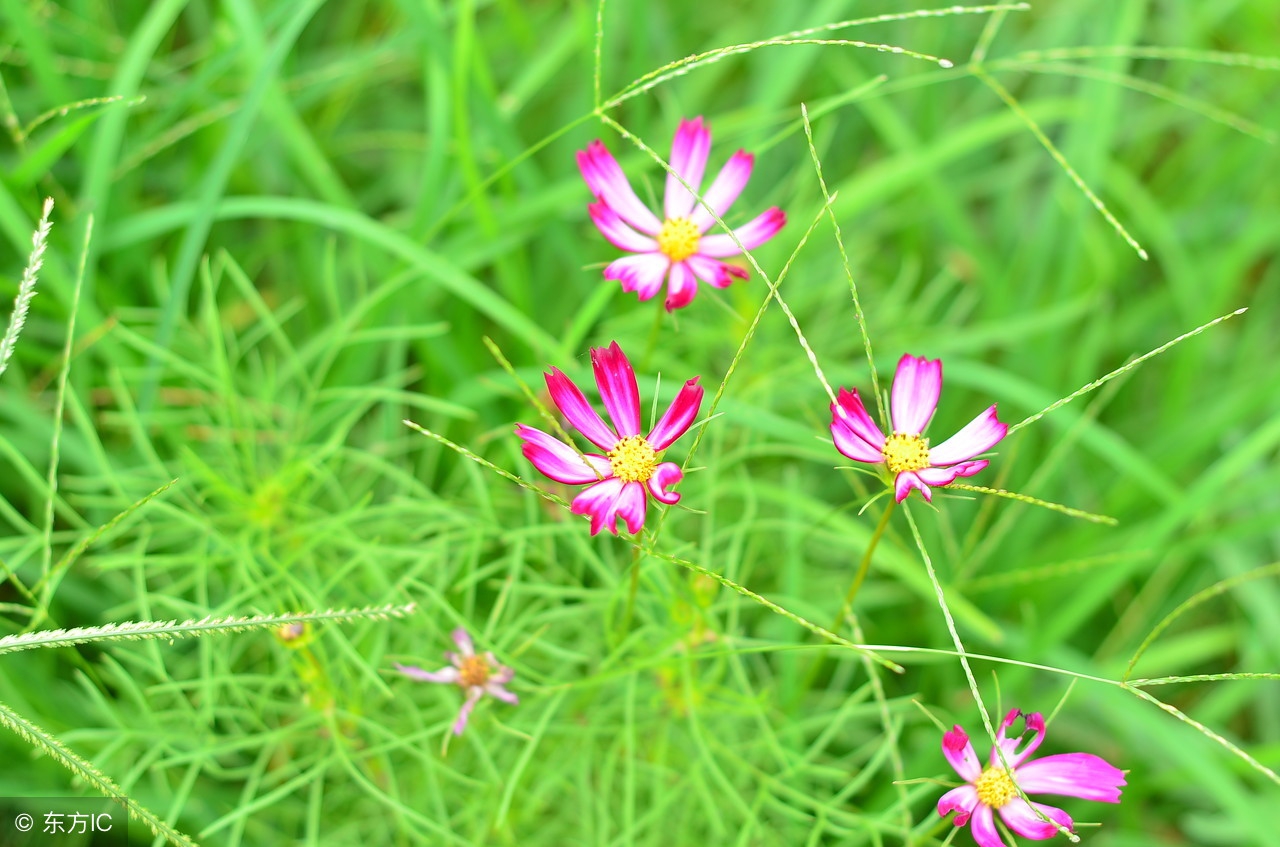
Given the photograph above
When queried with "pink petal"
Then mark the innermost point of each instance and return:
(714, 271)
(689, 151)
(503, 674)
(916, 386)
(473, 695)
(938, 477)
(979, 435)
(558, 460)
(1025, 822)
(960, 754)
(607, 181)
(664, 476)
(907, 480)
(494, 689)
(725, 189)
(617, 383)
(752, 235)
(1081, 775)
(984, 828)
(463, 639)
(681, 286)
(643, 274)
(855, 434)
(600, 501)
(678, 417)
(613, 228)
(1015, 757)
(632, 506)
(574, 406)
(449, 674)
(960, 800)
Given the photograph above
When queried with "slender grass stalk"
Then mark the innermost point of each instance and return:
(27, 285)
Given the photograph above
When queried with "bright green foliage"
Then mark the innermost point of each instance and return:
(307, 219)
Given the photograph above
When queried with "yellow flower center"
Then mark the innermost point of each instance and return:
(473, 671)
(633, 460)
(679, 239)
(905, 453)
(995, 787)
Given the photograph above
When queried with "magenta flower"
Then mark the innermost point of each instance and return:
(906, 454)
(675, 248)
(630, 465)
(477, 675)
(1068, 774)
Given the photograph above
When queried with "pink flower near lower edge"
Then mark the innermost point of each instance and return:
(992, 789)
(476, 674)
(620, 481)
(905, 453)
(676, 248)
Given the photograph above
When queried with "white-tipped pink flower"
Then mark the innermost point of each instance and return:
(477, 675)
(619, 479)
(905, 453)
(675, 248)
(992, 789)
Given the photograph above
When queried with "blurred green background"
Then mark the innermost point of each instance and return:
(306, 218)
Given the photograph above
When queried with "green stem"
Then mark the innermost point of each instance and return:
(654, 334)
(863, 567)
(631, 595)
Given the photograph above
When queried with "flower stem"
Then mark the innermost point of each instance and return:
(654, 333)
(631, 595)
(863, 566)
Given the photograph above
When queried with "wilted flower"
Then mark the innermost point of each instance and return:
(477, 675)
(1069, 774)
(630, 466)
(676, 247)
(906, 453)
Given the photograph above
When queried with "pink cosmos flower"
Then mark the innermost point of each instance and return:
(477, 675)
(906, 453)
(675, 248)
(1068, 774)
(630, 465)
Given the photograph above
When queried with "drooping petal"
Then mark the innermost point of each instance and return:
(494, 689)
(916, 386)
(617, 383)
(751, 235)
(959, 752)
(939, 477)
(725, 189)
(449, 674)
(713, 271)
(463, 639)
(1035, 726)
(600, 501)
(474, 694)
(606, 180)
(681, 286)
(574, 406)
(632, 506)
(1081, 775)
(616, 231)
(664, 476)
(960, 800)
(984, 828)
(558, 460)
(1025, 822)
(979, 435)
(679, 416)
(689, 151)
(855, 434)
(907, 480)
(643, 273)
